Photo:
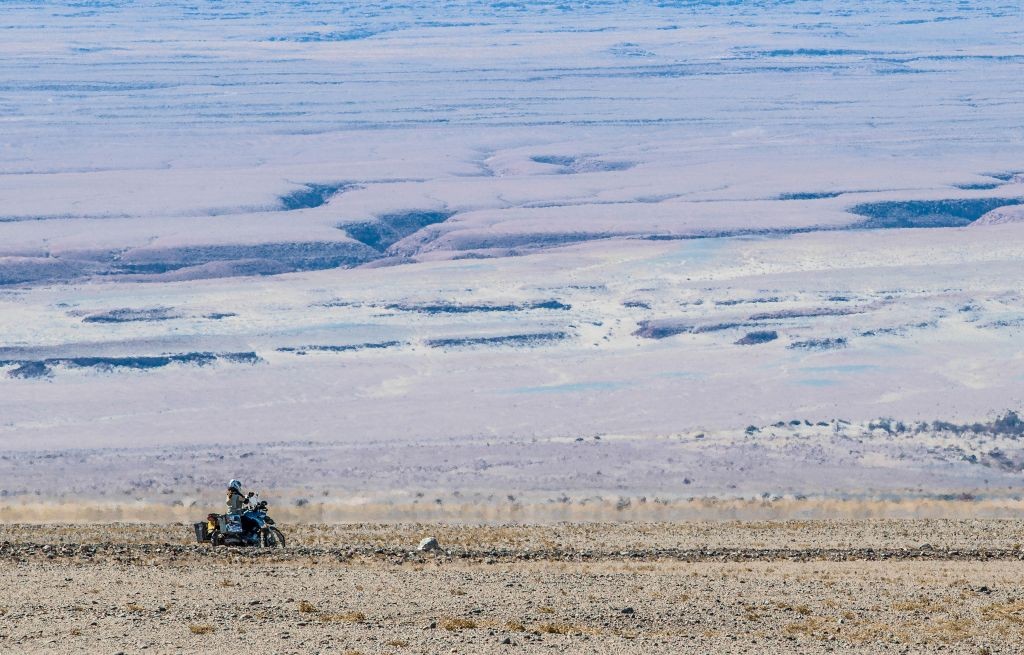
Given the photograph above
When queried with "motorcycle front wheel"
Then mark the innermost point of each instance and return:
(272, 538)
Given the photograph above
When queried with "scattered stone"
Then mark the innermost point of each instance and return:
(428, 544)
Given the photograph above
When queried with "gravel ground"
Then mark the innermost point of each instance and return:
(755, 588)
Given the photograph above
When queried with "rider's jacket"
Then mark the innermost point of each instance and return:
(236, 502)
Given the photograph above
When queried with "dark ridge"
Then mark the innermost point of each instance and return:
(1005, 176)
(718, 327)
(636, 304)
(42, 368)
(813, 52)
(158, 361)
(979, 186)
(898, 330)
(528, 240)
(389, 229)
(663, 328)
(302, 350)
(880, 215)
(746, 301)
(660, 329)
(569, 164)
(261, 258)
(810, 195)
(471, 255)
(216, 316)
(40, 270)
(819, 344)
(30, 370)
(742, 232)
(319, 37)
(1005, 323)
(452, 308)
(754, 338)
(241, 358)
(313, 195)
(803, 313)
(508, 340)
(1009, 424)
(554, 160)
(927, 213)
(128, 315)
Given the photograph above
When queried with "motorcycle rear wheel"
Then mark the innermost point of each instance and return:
(272, 538)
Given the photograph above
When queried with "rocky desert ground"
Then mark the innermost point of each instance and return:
(867, 586)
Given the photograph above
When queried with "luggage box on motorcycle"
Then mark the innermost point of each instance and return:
(202, 533)
(230, 523)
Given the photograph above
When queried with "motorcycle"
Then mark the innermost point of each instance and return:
(253, 527)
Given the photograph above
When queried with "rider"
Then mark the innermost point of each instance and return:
(238, 504)
(236, 499)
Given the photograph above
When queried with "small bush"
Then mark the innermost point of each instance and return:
(201, 629)
(347, 617)
(556, 628)
(398, 643)
(306, 607)
(454, 625)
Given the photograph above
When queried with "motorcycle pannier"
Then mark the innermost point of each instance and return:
(201, 531)
(230, 523)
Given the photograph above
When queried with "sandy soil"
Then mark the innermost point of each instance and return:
(807, 587)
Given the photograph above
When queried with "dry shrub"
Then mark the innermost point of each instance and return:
(556, 628)
(515, 626)
(201, 629)
(346, 617)
(76, 632)
(912, 605)
(1011, 612)
(135, 607)
(546, 610)
(454, 624)
(808, 626)
(226, 583)
(306, 607)
(802, 610)
(458, 592)
(951, 630)
(398, 643)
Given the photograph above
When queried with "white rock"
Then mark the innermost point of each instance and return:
(428, 544)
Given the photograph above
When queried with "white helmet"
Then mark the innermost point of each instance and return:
(236, 485)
